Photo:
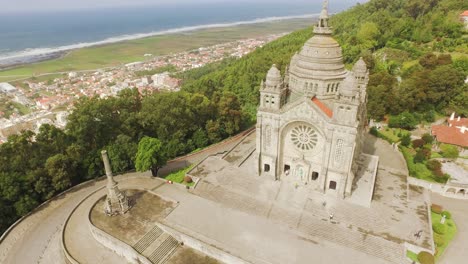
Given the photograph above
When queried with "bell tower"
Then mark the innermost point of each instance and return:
(272, 91)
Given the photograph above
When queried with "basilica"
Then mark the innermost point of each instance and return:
(312, 117)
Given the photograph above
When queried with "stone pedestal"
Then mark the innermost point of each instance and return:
(116, 201)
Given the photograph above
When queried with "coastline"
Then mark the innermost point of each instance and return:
(25, 57)
(7, 64)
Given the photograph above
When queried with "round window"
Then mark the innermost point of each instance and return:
(304, 137)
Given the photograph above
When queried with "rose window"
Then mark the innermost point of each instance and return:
(304, 137)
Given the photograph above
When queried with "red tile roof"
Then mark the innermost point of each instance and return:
(465, 13)
(450, 135)
(322, 107)
(455, 122)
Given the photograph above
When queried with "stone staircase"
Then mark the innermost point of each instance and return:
(317, 227)
(156, 245)
(164, 250)
(148, 239)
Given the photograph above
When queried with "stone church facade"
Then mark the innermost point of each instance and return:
(311, 119)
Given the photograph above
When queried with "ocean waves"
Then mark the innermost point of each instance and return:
(29, 55)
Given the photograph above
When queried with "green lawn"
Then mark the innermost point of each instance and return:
(411, 255)
(417, 170)
(391, 134)
(24, 110)
(130, 51)
(451, 230)
(178, 176)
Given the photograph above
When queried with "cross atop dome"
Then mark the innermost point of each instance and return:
(322, 26)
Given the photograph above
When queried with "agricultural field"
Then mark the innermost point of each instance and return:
(116, 54)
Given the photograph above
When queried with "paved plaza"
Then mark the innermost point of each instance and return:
(395, 215)
(458, 173)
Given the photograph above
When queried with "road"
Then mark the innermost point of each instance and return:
(36, 239)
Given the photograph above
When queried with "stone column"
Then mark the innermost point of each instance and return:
(110, 177)
(116, 201)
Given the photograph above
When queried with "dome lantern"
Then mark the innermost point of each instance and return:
(322, 26)
(273, 78)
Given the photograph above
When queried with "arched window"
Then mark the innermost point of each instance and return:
(315, 175)
(339, 151)
(266, 100)
(267, 135)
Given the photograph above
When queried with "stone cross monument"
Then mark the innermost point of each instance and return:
(116, 201)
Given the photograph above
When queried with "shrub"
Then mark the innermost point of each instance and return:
(422, 155)
(425, 257)
(428, 139)
(426, 152)
(406, 140)
(188, 179)
(437, 209)
(434, 165)
(439, 240)
(447, 214)
(417, 143)
(421, 171)
(404, 120)
(449, 151)
(419, 157)
(429, 116)
(373, 131)
(442, 179)
(439, 228)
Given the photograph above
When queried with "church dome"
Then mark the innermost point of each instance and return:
(360, 67)
(273, 77)
(349, 86)
(320, 58)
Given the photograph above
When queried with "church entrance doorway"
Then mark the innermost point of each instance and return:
(332, 185)
(315, 175)
(300, 173)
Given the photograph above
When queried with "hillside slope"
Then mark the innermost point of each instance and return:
(391, 36)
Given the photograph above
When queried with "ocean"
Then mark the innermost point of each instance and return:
(28, 35)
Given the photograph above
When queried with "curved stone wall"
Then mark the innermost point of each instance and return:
(119, 247)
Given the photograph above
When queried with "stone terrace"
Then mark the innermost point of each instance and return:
(379, 231)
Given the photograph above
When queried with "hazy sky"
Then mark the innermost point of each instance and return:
(49, 5)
